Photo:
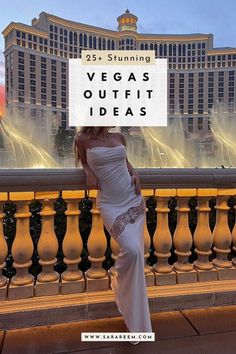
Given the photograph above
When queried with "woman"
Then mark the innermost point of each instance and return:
(122, 207)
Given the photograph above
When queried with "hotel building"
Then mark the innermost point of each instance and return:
(36, 59)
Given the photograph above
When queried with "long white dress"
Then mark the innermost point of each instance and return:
(123, 213)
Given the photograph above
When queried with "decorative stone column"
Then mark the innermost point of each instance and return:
(96, 276)
(72, 278)
(203, 238)
(149, 274)
(22, 284)
(234, 239)
(183, 238)
(47, 282)
(3, 249)
(222, 237)
(162, 239)
(115, 248)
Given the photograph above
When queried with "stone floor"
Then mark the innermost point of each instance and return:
(198, 331)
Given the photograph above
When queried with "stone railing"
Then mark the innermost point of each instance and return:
(24, 186)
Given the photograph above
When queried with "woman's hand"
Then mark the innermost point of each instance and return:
(135, 180)
(92, 181)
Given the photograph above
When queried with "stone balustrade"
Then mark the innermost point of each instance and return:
(214, 250)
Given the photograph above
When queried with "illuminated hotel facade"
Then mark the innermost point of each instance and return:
(36, 60)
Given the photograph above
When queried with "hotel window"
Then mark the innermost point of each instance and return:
(94, 42)
(103, 44)
(155, 48)
(21, 60)
(99, 43)
(85, 40)
(63, 119)
(75, 38)
(190, 124)
(81, 39)
(179, 50)
(174, 50)
(165, 50)
(200, 123)
(90, 42)
(209, 123)
(33, 112)
(21, 99)
(70, 37)
(161, 50)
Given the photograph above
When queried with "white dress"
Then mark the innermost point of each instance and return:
(123, 213)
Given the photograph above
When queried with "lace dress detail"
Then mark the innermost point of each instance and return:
(129, 217)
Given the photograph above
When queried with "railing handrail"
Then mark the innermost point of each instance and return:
(21, 180)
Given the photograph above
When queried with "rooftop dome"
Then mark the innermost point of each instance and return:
(127, 21)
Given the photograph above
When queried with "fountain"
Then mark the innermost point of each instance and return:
(25, 143)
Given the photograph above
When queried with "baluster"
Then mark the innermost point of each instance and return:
(115, 248)
(149, 274)
(3, 249)
(96, 276)
(162, 239)
(203, 238)
(222, 238)
(47, 282)
(22, 284)
(72, 278)
(234, 238)
(183, 239)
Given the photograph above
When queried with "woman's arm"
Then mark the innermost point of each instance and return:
(132, 172)
(91, 179)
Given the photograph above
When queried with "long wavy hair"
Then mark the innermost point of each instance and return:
(88, 132)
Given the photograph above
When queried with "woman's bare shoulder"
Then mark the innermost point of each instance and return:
(121, 136)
